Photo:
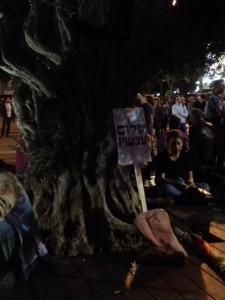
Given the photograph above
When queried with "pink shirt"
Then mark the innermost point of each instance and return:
(21, 161)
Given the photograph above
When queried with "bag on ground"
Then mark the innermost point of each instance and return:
(163, 245)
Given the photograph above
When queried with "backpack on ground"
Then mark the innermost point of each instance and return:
(163, 245)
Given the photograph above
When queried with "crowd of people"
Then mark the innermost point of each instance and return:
(189, 134)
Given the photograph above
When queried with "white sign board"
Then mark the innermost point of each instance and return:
(131, 136)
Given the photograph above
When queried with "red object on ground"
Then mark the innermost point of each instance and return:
(209, 253)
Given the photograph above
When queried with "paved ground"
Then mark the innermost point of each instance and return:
(102, 276)
(7, 145)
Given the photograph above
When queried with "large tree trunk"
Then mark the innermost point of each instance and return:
(78, 60)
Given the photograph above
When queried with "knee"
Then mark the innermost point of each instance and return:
(167, 187)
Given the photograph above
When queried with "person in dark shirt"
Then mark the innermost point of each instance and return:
(142, 101)
(216, 112)
(200, 103)
(148, 110)
(158, 117)
(201, 137)
(174, 167)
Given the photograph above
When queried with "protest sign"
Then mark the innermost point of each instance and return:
(132, 143)
(131, 136)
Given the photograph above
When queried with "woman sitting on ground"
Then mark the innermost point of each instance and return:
(174, 167)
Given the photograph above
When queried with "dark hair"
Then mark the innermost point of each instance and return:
(177, 134)
(174, 122)
(197, 113)
(203, 96)
(176, 95)
(150, 99)
(216, 84)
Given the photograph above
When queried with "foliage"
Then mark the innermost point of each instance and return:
(217, 69)
(193, 40)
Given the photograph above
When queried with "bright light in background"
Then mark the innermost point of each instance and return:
(174, 2)
(215, 72)
(205, 82)
(208, 80)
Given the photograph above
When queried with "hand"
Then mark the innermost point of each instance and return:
(191, 184)
(183, 186)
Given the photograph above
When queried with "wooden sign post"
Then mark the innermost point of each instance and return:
(132, 143)
(140, 187)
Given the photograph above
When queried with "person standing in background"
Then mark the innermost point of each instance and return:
(179, 109)
(6, 110)
(166, 114)
(216, 112)
(158, 117)
(190, 103)
(201, 137)
(200, 103)
(142, 101)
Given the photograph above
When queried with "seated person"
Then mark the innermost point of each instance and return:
(174, 167)
(20, 243)
(201, 137)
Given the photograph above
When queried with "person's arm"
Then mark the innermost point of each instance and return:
(220, 111)
(150, 115)
(217, 107)
(189, 163)
(161, 178)
(190, 179)
(185, 112)
(151, 119)
(175, 112)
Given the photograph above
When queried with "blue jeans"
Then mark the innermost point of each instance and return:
(174, 192)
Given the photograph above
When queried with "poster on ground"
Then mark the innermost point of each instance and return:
(131, 136)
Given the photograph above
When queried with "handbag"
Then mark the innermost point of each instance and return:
(155, 227)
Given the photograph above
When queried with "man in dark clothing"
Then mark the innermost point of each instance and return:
(142, 101)
(148, 110)
(201, 138)
(217, 116)
(200, 103)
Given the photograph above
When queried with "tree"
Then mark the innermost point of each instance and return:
(77, 60)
